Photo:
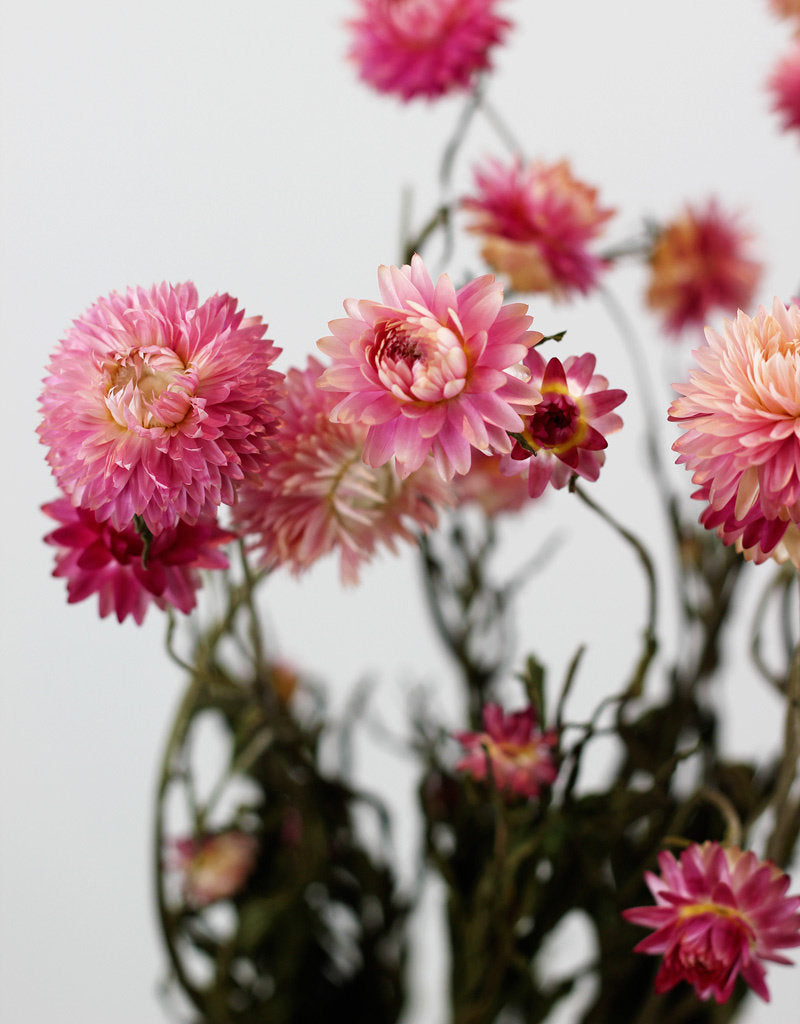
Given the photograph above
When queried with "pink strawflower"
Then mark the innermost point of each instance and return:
(566, 433)
(740, 411)
(719, 912)
(520, 754)
(430, 370)
(700, 264)
(537, 221)
(784, 85)
(156, 406)
(317, 495)
(424, 47)
(486, 486)
(94, 558)
(214, 867)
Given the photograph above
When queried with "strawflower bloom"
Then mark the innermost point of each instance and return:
(317, 495)
(214, 867)
(784, 86)
(157, 406)
(700, 264)
(739, 411)
(519, 753)
(488, 488)
(537, 221)
(430, 370)
(424, 47)
(719, 912)
(566, 432)
(94, 558)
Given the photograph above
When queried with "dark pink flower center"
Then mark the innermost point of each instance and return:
(556, 422)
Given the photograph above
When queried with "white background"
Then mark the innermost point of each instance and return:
(231, 144)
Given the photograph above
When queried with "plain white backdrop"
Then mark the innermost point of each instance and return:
(231, 144)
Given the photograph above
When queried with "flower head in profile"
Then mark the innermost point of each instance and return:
(719, 913)
(424, 47)
(487, 487)
(94, 558)
(430, 369)
(537, 221)
(700, 263)
(784, 87)
(740, 412)
(566, 432)
(519, 753)
(157, 406)
(317, 495)
(215, 866)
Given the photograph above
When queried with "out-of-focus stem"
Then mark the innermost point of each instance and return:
(784, 831)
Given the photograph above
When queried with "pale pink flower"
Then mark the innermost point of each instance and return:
(740, 411)
(784, 85)
(700, 264)
(519, 753)
(430, 370)
(156, 406)
(719, 912)
(317, 495)
(537, 221)
(566, 432)
(424, 47)
(214, 867)
(94, 558)
(486, 486)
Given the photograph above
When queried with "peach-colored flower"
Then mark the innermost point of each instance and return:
(787, 9)
(719, 912)
(740, 411)
(566, 432)
(430, 370)
(537, 220)
(317, 495)
(784, 85)
(700, 264)
(216, 866)
(424, 47)
(519, 753)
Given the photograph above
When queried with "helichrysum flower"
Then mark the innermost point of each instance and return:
(566, 432)
(157, 406)
(317, 495)
(488, 488)
(94, 558)
(740, 411)
(214, 867)
(784, 86)
(424, 47)
(537, 221)
(519, 753)
(700, 264)
(430, 370)
(719, 912)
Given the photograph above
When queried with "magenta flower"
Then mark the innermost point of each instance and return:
(94, 558)
(157, 407)
(784, 85)
(719, 912)
(739, 411)
(214, 867)
(317, 495)
(700, 264)
(537, 221)
(566, 432)
(520, 754)
(430, 370)
(424, 47)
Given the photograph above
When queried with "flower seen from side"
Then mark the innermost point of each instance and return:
(740, 412)
(520, 755)
(537, 221)
(157, 406)
(215, 866)
(487, 487)
(566, 432)
(317, 495)
(430, 370)
(700, 263)
(424, 48)
(719, 913)
(95, 558)
(784, 87)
